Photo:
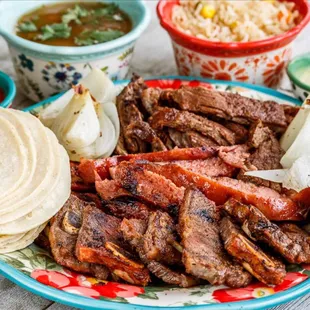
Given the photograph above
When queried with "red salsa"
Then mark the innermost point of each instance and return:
(2, 95)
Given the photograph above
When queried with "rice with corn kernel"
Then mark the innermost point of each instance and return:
(234, 20)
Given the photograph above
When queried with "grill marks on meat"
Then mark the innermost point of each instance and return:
(203, 253)
(186, 121)
(148, 186)
(262, 266)
(267, 154)
(110, 190)
(158, 237)
(100, 241)
(275, 206)
(288, 240)
(133, 231)
(128, 209)
(229, 106)
(63, 236)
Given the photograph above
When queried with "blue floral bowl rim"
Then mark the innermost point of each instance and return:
(7, 83)
(56, 295)
(84, 50)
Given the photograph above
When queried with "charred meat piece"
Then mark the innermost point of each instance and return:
(263, 267)
(138, 133)
(203, 252)
(150, 187)
(241, 133)
(128, 208)
(100, 241)
(63, 235)
(158, 237)
(186, 121)
(133, 231)
(275, 206)
(43, 240)
(212, 167)
(229, 106)
(89, 168)
(267, 154)
(189, 139)
(293, 246)
(110, 190)
(149, 99)
(77, 183)
(90, 198)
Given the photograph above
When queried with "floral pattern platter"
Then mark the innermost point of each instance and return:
(34, 269)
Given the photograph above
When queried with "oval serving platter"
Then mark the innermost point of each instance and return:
(35, 270)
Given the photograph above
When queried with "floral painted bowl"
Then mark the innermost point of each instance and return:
(8, 86)
(299, 66)
(44, 70)
(260, 62)
(34, 269)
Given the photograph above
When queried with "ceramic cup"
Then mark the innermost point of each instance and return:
(260, 62)
(44, 70)
(295, 68)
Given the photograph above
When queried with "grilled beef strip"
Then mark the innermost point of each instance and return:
(88, 167)
(150, 98)
(149, 187)
(189, 139)
(203, 252)
(267, 154)
(77, 183)
(241, 132)
(293, 245)
(133, 231)
(229, 106)
(265, 268)
(275, 206)
(127, 208)
(186, 121)
(63, 235)
(138, 132)
(100, 241)
(91, 198)
(159, 235)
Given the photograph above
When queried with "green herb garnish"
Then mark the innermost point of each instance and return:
(75, 15)
(54, 31)
(28, 26)
(90, 37)
(107, 10)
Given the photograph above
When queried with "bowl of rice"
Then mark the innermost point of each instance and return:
(241, 40)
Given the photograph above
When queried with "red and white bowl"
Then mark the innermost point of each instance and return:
(259, 62)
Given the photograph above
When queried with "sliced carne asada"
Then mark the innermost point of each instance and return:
(110, 190)
(88, 167)
(186, 121)
(149, 99)
(212, 167)
(190, 139)
(100, 241)
(229, 106)
(293, 246)
(262, 266)
(157, 239)
(267, 154)
(241, 132)
(77, 183)
(275, 206)
(150, 187)
(203, 252)
(133, 231)
(63, 235)
(127, 208)
(139, 133)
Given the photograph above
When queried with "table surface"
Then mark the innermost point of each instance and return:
(152, 57)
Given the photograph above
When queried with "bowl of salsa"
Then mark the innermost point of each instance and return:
(7, 90)
(55, 44)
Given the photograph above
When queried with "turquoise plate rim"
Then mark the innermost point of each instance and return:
(69, 299)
